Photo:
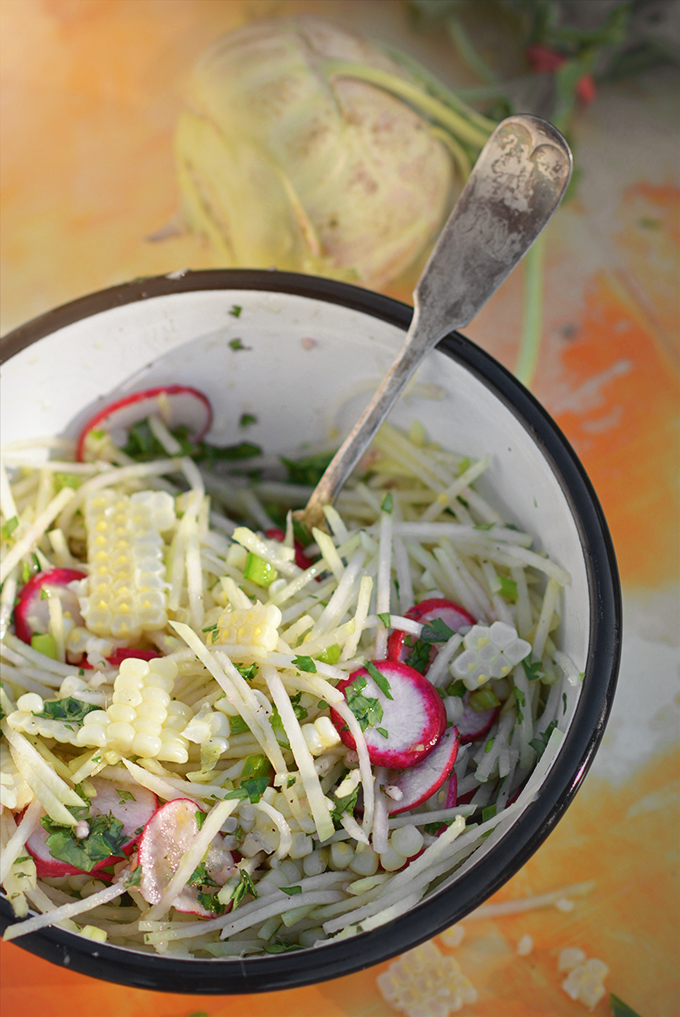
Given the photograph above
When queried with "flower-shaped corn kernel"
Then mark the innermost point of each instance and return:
(425, 983)
(15, 794)
(491, 651)
(255, 628)
(585, 981)
(141, 720)
(126, 589)
(320, 736)
(209, 729)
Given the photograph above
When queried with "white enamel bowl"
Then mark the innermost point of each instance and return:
(315, 352)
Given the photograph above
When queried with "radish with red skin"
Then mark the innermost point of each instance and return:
(167, 836)
(426, 612)
(31, 615)
(474, 724)
(181, 403)
(418, 783)
(413, 719)
(134, 813)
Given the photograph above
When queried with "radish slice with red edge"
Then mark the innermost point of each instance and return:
(175, 404)
(301, 559)
(418, 783)
(133, 808)
(474, 724)
(31, 615)
(426, 612)
(404, 715)
(168, 835)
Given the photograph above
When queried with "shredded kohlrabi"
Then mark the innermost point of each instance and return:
(206, 747)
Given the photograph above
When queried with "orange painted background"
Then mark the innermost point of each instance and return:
(91, 91)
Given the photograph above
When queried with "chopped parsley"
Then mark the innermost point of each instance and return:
(125, 796)
(9, 527)
(520, 701)
(387, 503)
(619, 1008)
(508, 589)
(201, 877)
(436, 631)
(235, 312)
(244, 887)
(308, 470)
(331, 655)
(292, 890)
(367, 710)
(105, 839)
(278, 947)
(540, 742)
(68, 709)
(200, 819)
(382, 731)
(247, 419)
(252, 788)
(488, 813)
(419, 657)
(533, 669)
(385, 618)
(305, 664)
(342, 806)
(143, 445)
(237, 344)
(379, 679)
(256, 766)
(211, 902)
(247, 671)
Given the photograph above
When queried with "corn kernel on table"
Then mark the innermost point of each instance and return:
(91, 93)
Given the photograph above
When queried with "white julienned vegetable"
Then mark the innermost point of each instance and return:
(216, 660)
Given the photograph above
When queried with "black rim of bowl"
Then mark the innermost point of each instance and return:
(433, 915)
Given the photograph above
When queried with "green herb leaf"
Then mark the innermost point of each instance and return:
(68, 709)
(237, 725)
(564, 702)
(201, 877)
(308, 470)
(235, 312)
(252, 788)
(200, 818)
(436, 631)
(298, 709)
(256, 766)
(619, 1008)
(539, 743)
(387, 503)
(379, 679)
(385, 618)
(44, 643)
(382, 731)
(305, 664)
(135, 877)
(419, 657)
(343, 805)
(533, 669)
(211, 902)
(483, 699)
(245, 886)
(488, 813)
(489, 745)
(125, 796)
(292, 890)
(247, 419)
(237, 344)
(457, 688)
(484, 526)
(367, 710)
(104, 840)
(247, 671)
(280, 947)
(520, 701)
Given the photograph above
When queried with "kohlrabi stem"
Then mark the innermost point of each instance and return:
(532, 318)
(435, 108)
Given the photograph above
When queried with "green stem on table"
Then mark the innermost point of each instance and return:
(462, 128)
(467, 51)
(532, 318)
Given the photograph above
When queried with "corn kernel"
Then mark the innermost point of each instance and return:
(146, 745)
(301, 845)
(407, 840)
(391, 860)
(120, 713)
(365, 861)
(341, 855)
(120, 737)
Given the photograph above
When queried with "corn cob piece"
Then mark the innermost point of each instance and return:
(15, 794)
(255, 627)
(126, 588)
(142, 720)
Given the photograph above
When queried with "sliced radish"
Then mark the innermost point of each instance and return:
(452, 792)
(133, 812)
(175, 404)
(301, 559)
(412, 722)
(420, 782)
(118, 656)
(31, 615)
(168, 835)
(426, 612)
(474, 723)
